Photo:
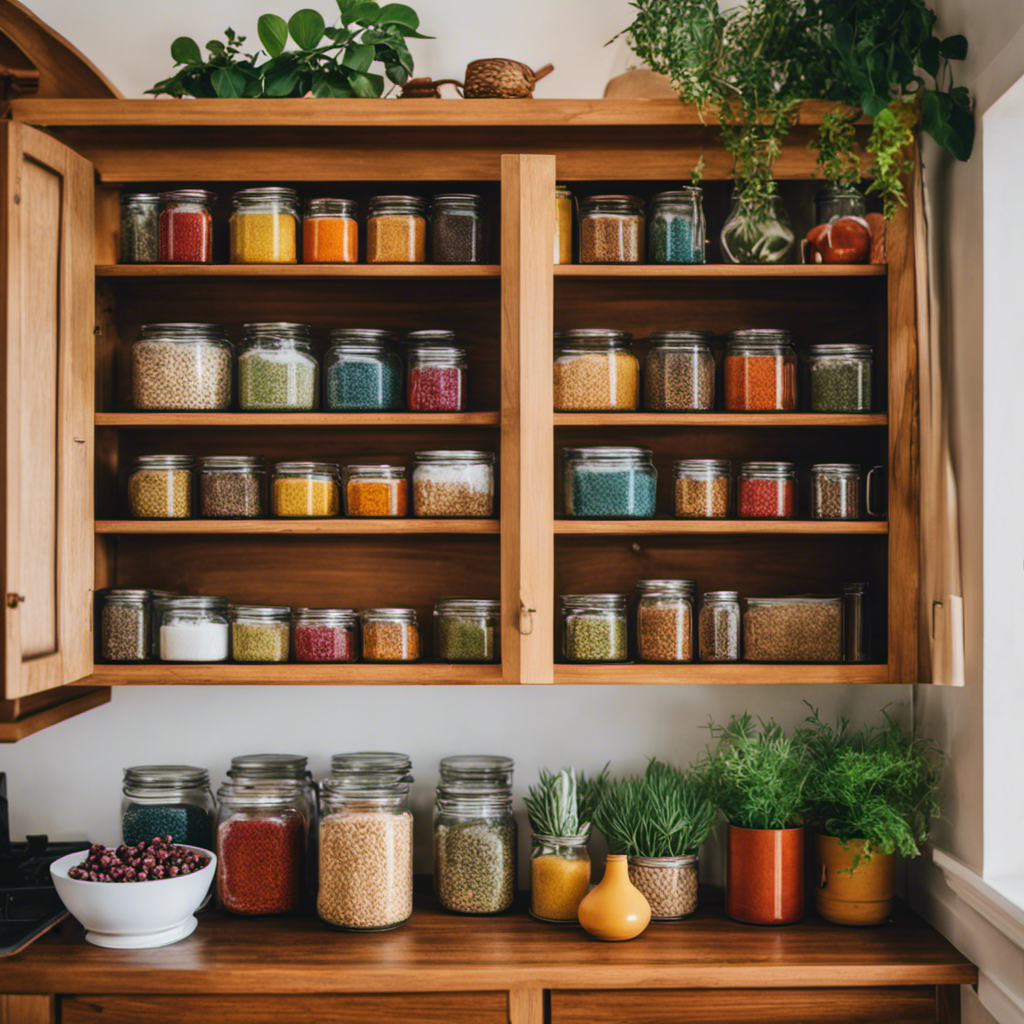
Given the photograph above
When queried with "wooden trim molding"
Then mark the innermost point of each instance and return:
(982, 897)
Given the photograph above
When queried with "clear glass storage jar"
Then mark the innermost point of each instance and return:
(559, 877)
(467, 629)
(396, 230)
(595, 370)
(194, 629)
(675, 226)
(260, 634)
(232, 487)
(140, 227)
(856, 637)
(835, 491)
(594, 627)
(718, 628)
(664, 620)
(362, 372)
(305, 490)
(760, 371)
(702, 488)
(330, 231)
(457, 229)
(612, 229)
(609, 483)
(156, 603)
(167, 800)
(160, 487)
(453, 484)
(376, 491)
(797, 629)
(264, 225)
(766, 490)
(669, 884)
(478, 770)
(390, 634)
(370, 767)
(437, 372)
(680, 372)
(563, 224)
(182, 368)
(277, 369)
(325, 634)
(125, 622)
(186, 226)
(839, 376)
(836, 201)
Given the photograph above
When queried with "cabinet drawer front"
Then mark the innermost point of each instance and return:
(746, 1006)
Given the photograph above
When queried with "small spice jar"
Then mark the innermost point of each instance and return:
(702, 488)
(835, 491)
(675, 228)
(609, 483)
(760, 371)
(718, 629)
(186, 226)
(325, 635)
(167, 800)
(611, 229)
(264, 225)
(437, 372)
(362, 373)
(594, 627)
(376, 491)
(125, 628)
(330, 231)
(390, 634)
(467, 629)
(261, 847)
(194, 629)
(798, 629)
(182, 368)
(277, 370)
(232, 487)
(664, 620)
(595, 370)
(160, 487)
(563, 224)
(457, 229)
(453, 485)
(260, 634)
(856, 638)
(305, 490)
(559, 877)
(835, 201)
(396, 230)
(140, 228)
(839, 376)
(680, 372)
(669, 884)
(766, 490)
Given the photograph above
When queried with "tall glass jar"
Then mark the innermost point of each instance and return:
(362, 372)
(766, 490)
(390, 634)
(675, 227)
(330, 231)
(840, 377)
(563, 224)
(559, 877)
(140, 227)
(752, 235)
(680, 372)
(376, 491)
(277, 369)
(396, 230)
(264, 225)
(668, 883)
(453, 484)
(160, 487)
(260, 634)
(437, 372)
(305, 490)
(186, 226)
(612, 229)
(760, 371)
(664, 620)
(232, 487)
(182, 368)
(194, 629)
(836, 201)
(168, 800)
(719, 627)
(856, 636)
(595, 370)
(325, 635)
(125, 626)
(835, 491)
(702, 488)
(594, 628)
(609, 483)
(467, 630)
(457, 229)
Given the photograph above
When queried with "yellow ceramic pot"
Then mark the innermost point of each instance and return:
(863, 897)
(615, 910)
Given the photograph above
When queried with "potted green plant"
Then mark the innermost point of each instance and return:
(874, 793)
(659, 820)
(757, 776)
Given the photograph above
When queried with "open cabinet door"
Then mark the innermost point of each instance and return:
(46, 508)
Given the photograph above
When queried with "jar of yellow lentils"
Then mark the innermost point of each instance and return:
(396, 230)
(563, 224)
(595, 371)
(305, 490)
(264, 225)
(160, 487)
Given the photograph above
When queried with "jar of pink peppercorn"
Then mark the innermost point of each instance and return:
(767, 490)
(186, 226)
(437, 372)
(325, 634)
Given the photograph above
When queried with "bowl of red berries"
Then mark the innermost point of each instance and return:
(135, 897)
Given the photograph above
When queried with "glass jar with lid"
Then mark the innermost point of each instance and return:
(330, 231)
(372, 766)
(839, 376)
(594, 627)
(293, 769)
(479, 770)
(232, 487)
(767, 490)
(182, 368)
(675, 228)
(390, 634)
(186, 226)
(664, 620)
(612, 229)
(325, 635)
(802, 628)
(160, 487)
(559, 876)
(167, 800)
(835, 491)
(437, 372)
(457, 229)
(760, 371)
(680, 372)
(718, 629)
(260, 633)
(595, 370)
(125, 623)
(453, 484)
(140, 227)
(609, 483)
(396, 230)
(362, 372)
(836, 201)
(564, 216)
(376, 491)
(264, 225)
(702, 488)
(194, 629)
(467, 630)
(305, 490)
(277, 369)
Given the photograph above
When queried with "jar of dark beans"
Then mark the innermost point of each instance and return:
(675, 228)
(325, 634)
(680, 372)
(457, 229)
(718, 630)
(437, 372)
(168, 800)
(840, 377)
(140, 227)
(125, 623)
(232, 487)
(467, 629)
(612, 229)
(835, 491)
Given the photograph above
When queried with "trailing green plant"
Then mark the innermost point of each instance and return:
(836, 146)
(666, 812)
(564, 804)
(325, 61)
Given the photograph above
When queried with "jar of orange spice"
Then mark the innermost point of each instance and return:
(376, 491)
(330, 233)
(760, 371)
(396, 230)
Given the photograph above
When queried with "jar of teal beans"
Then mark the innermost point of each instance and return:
(362, 371)
(277, 370)
(594, 627)
(675, 227)
(609, 483)
(167, 800)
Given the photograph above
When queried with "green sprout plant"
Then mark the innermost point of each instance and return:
(563, 804)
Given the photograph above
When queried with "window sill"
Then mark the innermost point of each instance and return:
(998, 901)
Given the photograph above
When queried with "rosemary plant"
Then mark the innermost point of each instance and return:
(563, 804)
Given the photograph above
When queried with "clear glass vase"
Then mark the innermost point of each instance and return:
(757, 236)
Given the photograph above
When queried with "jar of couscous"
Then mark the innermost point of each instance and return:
(264, 225)
(305, 490)
(595, 370)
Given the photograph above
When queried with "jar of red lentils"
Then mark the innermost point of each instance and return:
(396, 230)
(330, 231)
(767, 490)
(325, 635)
(264, 225)
(437, 372)
(760, 371)
(612, 229)
(390, 634)
(186, 226)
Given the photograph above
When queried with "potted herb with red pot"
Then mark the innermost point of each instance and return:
(757, 776)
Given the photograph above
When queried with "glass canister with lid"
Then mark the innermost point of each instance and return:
(325, 634)
(367, 766)
(260, 633)
(680, 372)
(140, 227)
(376, 491)
(390, 634)
(664, 620)
(767, 490)
(277, 369)
(305, 490)
(194, 629)
(609, 483)
(802, 628)
(612, 229)
(232, 487)
(467, 629)
(125, 626)
(563, 224)
(396, 230)
(675, 228)
(293, 769)
(264, 225)
(458, 229)
(718, 629)
(437, 372)
(362, 372)
(160, 487)
(330, 231)
(702, 488)
(453, 484)
(594, 627)
(835, 491)
(595, 370)
(186, 226)
(182, 367)
(840, 377)
(167, 800)
(760, 371)
(559, 876)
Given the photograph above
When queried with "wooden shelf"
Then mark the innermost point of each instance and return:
(303, 270)
(719, 270)
(321, 527)
(719, 419)
(737, 674)
(719, 526)
(156, 420)
(359, 674)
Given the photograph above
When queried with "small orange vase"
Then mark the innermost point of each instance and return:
(765, 880)
(615, 910)
(861, 897)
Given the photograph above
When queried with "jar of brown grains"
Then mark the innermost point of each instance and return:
(232, 487)
(396, 230)
(680, 372)
(797, 629)
(664, 620)
(595, 371)
(612, 229)
(160, 487)
(453, 484)
(835, 491)
(125, 626)
(702, 488)
(718, 628)
(390, 634)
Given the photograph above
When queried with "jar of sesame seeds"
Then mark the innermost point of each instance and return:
(760, 371)
(680, 372)
(182, 367)
(264, 225)
(664, 620)
(390, 634)
(396, 230)
(186, 226)
(437, 372)
(260, 634)
(612, 229)
(277, 370)
(595, 370)
(702, 488)
(594, 627)
(160, 487)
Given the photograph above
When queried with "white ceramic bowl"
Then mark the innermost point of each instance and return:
(133, 915)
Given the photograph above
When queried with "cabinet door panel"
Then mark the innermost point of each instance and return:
(47, 285)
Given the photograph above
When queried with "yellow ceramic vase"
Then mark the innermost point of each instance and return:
(615, 910)
(861, 897)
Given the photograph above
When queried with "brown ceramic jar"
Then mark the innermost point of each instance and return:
(765, 879)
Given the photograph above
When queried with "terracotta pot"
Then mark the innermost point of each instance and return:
(861, 897)
(765, 880)
(615, 910)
